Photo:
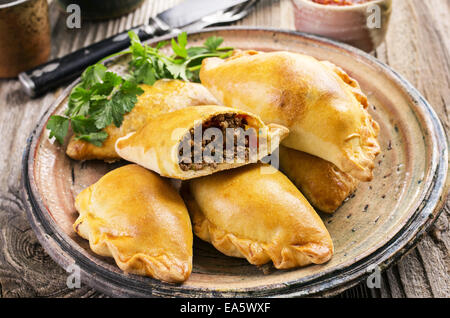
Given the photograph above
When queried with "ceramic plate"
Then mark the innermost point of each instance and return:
(375, 226)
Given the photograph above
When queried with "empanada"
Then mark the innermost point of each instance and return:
(324, 108)
(323, 184)
(138, 218)
(180, 145)
(255, 212)
(162, 97)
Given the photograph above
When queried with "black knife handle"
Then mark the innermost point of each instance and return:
(52, 74)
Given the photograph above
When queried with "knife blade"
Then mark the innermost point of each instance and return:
(54, 73)
(177, 17)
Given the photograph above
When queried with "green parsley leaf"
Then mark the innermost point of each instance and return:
(196, 50)
(95, 138)
(177, 70)
(213, 42)
(58, 126)
(180, 48)
(92, 75)
(79, 101)
(100, 99)
(145, 73)
(161, 44)
(83, 125)
(121, 100)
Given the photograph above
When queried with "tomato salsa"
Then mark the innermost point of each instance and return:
(340, 2)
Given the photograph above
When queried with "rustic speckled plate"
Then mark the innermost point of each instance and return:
(377, 225)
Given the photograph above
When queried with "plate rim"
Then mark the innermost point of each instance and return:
(325, 284)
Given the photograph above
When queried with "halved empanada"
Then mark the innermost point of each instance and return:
(255, 212)
(324, 108)
(180, 145)
(323, 184)
(162, 97)
(138, 218)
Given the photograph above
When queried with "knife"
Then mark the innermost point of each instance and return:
(52, 74)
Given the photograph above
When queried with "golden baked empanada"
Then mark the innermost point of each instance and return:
(180, 144)
(162, 97)
(255, 212)
(138, 218)
(323, 184)
(324, 108)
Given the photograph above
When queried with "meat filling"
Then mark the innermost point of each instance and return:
(222, 122)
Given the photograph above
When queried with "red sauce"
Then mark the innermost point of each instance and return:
(340, 2)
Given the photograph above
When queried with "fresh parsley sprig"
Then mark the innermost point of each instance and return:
(103, 97)
(148, 64)
(100, 99)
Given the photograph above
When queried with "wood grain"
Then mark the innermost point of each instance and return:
(417, 46)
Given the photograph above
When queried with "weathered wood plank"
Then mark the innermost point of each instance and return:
(417, 46)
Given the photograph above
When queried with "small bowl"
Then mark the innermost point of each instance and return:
(351, 24)
(102, 9)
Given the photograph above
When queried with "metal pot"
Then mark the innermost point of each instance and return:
(24, 35)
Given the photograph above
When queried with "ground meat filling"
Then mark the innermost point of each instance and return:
(222, 122)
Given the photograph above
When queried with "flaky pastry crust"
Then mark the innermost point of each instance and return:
(255, 212)
(139, 219)
(324, 109)
(156, 145)
(321, 182)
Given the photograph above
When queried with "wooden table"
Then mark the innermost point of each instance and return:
(417, 46)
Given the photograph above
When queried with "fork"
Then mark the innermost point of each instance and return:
(222, 17)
